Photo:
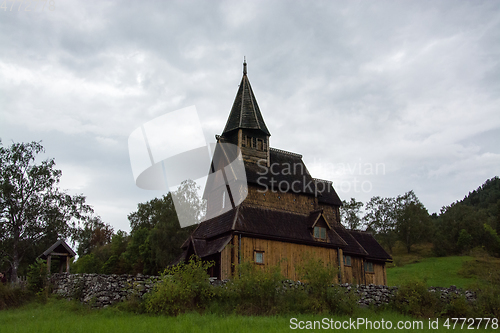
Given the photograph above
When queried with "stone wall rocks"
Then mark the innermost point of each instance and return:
(101, 290)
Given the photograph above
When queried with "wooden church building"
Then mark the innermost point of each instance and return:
(287, 216)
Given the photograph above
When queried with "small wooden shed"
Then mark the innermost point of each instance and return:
(62, 251)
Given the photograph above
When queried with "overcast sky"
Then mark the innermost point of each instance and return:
(381, 97)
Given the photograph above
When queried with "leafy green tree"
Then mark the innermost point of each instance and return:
(95, 233)
(350, 213)
(412, 220)
(156, 235)
(31, 205)
(464, 242)
(381, 217)
(452, 220)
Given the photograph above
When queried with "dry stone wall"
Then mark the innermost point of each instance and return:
(101, 290)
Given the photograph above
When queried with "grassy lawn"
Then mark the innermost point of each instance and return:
(62, 316)
(436, 271)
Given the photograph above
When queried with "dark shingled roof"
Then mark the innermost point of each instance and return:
(60, 247)
(265, 223)
(370, 244)
(353, 247)
(313, 217)
(216, 226)
(203, 248)
(289, 170)
(245, 112)
(327, 193)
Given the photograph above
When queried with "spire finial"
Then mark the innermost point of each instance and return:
(244, 65)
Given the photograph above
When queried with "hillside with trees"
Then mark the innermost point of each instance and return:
(473, 222)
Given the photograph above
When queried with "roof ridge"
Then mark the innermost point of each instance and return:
(285, 152)
(323, 180)
(255, 206)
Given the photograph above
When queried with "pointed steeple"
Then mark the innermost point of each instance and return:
(245, 113)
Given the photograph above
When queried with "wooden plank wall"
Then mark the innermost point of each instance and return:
(379, 276)
(289, 255)
(354, 273)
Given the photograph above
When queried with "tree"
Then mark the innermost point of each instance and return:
(350, 213)
(31, 205)
(95, 233)
(380, 217)
(156, 234)
(412, 220)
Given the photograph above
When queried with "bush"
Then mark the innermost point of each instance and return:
(37, 276)
(256, 289)
(458, 307)
(341, 301)
(413, 298)
(182, 288)
(488, 301)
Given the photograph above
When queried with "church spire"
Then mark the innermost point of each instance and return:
(245, 113)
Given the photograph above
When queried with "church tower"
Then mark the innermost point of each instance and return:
(245, 126)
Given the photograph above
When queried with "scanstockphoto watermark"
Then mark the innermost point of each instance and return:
(171, 149)
(382, 324)
(27, 5)
(355, 324)
(293, 177)
(350, 169)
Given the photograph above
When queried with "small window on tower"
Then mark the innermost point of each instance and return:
(260, 144)
(223, 199)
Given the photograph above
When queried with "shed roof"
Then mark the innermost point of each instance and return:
(59, 247)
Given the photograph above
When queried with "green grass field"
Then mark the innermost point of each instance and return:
(435, 271)
(63, 316)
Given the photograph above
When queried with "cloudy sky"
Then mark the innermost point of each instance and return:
(381, 97)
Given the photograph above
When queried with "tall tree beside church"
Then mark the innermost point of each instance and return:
(31, 204)
(349, 212)
(156, 235)
(413, 223)
(380, 217)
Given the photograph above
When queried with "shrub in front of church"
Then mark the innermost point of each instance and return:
(322, 295)
(341, 301)
(413, 298)
(183, 287)
(255, 289)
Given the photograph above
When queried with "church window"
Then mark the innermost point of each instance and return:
(347, 260)
(259, 257)
(368, 267)
(260, 144)
(320, 232)
(249, 142)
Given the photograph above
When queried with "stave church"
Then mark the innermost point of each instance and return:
(286, 216)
